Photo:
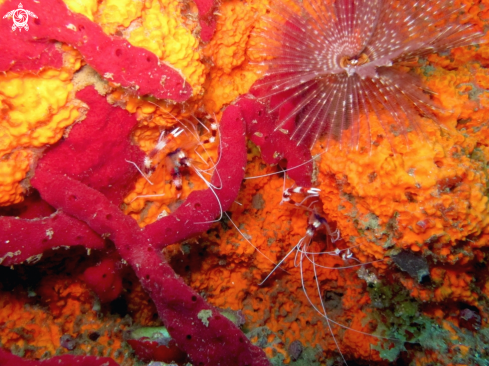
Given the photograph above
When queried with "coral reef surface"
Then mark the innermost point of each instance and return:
(150, 209)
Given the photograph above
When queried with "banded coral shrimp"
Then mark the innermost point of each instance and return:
(182, 159)
(246, 247)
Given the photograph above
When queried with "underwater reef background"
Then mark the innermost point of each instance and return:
(115, 115)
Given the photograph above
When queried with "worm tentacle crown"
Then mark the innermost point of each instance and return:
(336, 66)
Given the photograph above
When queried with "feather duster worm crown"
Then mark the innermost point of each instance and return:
(335, 66)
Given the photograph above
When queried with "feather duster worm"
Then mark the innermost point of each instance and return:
(335, 66)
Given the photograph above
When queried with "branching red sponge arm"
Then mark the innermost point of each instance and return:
(8, 359)
(104, 279)
(95, 153)
(199, 329)
(207, 19)
(98, 149)
(274, 144)
(112, 57)
(42, 234)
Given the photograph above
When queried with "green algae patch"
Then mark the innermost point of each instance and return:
(204, 315)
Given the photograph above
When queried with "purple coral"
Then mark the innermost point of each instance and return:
(334, 62)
